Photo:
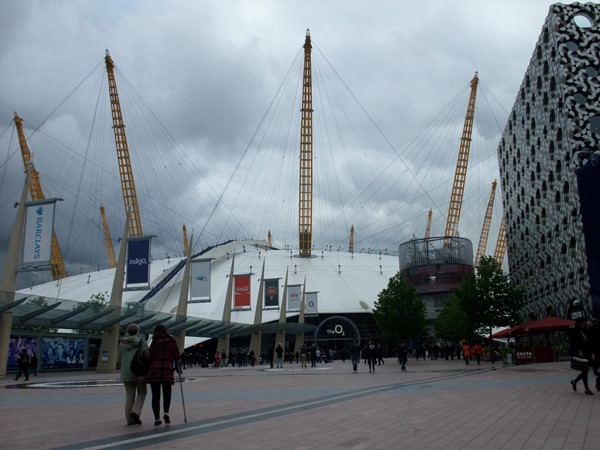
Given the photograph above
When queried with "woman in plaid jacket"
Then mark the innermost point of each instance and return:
(164, 359)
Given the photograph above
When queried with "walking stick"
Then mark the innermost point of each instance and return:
(181, 389)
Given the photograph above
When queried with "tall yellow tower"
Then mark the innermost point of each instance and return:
(460, 174)
(35, 191)
(306, 156)
(125, 169)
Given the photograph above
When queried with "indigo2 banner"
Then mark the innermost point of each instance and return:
(138, 261)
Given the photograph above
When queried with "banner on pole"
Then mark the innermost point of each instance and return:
(200, 281)
(312, 304)
(37, 239)
(241, 291)
(138, 263)
(271, 293)
(294, 297)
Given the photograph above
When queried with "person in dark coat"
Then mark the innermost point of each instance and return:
(581, 348)
(371, 356)
(164, 358)
(402, 356)
(23, 364)
(355, 355)
(135, 386)
(595, 341)
(34, 364)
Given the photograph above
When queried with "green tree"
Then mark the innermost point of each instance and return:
(452, 323)
(398, 311)
(497, 300)
(97, 303)
(484, 300)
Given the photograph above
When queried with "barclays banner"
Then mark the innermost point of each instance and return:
(200, 281)
(37, 240)
(138, 263)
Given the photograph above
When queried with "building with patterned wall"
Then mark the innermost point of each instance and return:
(553, 128)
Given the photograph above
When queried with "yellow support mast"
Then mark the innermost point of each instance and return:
(306, 156)
(485, 230)
(428, 229)
(110, 252)
(460, 174)
(500, 245)
(35, 191)
(186, 244)
(125, 169)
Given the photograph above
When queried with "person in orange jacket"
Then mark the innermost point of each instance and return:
(466, 350)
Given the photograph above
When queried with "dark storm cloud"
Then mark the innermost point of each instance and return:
(209, 69)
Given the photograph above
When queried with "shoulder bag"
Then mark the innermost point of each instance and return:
(140, 363)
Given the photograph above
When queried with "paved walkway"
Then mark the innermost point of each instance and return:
(436, 404)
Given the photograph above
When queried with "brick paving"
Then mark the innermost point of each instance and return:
(436, 404)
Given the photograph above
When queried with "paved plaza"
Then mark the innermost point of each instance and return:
(436, 404)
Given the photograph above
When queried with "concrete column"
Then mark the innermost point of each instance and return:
(256, 338)
(8, 284)
(184, 296)
(300, 336)
(223, 342)
(282, 313)
(110, 339)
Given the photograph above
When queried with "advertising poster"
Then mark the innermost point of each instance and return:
(241, 293)
(37, 238)
(294, 297)
(63, 353)
(138, 261)
(200, 282)
(272, 293)
(15, 345)
(312, 305)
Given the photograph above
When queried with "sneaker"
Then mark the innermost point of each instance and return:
(167, 418)
(574, 385)
(588, 392)
(157, 422)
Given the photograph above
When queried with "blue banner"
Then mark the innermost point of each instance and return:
(138, 261)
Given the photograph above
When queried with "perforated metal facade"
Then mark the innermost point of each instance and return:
(553, 128)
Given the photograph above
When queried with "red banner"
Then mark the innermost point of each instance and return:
(241, 295)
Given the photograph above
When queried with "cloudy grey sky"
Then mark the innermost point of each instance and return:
(209, 80)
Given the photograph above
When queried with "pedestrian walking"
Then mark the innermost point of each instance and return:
(466, 351)
(581, 354)
(33, 364)
(371, 356)
(279, 356)
(355, 355)
(303, 355)
(478, 350)
(380, 360)
(402, 356)
(135, 385)
(164, 360)
(23, 364)
(595, 341)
